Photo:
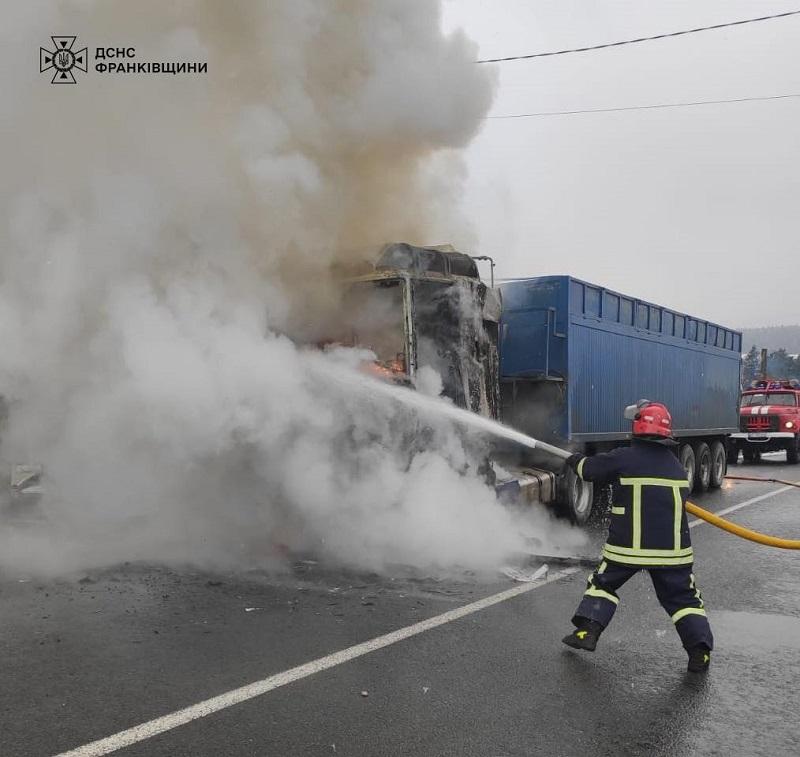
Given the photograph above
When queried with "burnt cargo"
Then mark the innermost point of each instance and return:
(574, 354)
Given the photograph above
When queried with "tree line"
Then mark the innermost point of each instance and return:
(780, 365)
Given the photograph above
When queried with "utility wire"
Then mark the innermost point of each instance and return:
(640, 107)
(641, 39)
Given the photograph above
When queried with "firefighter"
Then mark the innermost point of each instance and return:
(648, 531)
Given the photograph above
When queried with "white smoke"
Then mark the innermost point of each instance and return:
(159, 233)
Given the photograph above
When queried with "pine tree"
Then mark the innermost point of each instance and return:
(779, 364)
(795, 368)
(750, 366)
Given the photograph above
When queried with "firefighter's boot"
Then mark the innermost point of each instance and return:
(699, 659)
(584, 636)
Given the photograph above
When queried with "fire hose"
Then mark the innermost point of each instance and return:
(741, 531)
(709, 517)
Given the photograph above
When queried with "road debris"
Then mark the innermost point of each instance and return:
(526, 577)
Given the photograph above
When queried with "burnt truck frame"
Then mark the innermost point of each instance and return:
(450, 321)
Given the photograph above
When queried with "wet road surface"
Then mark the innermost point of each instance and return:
(87, 657)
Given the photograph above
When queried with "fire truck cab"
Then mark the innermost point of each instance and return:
(769, 421)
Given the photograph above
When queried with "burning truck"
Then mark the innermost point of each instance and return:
(554, 357)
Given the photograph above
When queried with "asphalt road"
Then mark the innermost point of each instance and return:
(93, 655)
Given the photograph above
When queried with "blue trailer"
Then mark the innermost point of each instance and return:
(574, 354)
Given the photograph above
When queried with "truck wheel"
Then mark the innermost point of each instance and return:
(686, 456)
(792, 456)
(576, 498)
(733, 454)
(719, 464)
(702, 475)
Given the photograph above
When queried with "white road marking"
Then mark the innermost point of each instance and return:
(747, 502)
(236, 696)
(176, 719)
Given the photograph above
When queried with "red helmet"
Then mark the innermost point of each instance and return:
(650, 419)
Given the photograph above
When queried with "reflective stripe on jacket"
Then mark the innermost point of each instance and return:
(648, 520)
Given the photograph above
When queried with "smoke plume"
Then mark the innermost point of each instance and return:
(166, 242)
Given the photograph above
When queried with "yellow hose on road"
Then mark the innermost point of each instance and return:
(744, 533)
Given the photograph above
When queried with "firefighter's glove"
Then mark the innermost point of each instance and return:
(574, 460)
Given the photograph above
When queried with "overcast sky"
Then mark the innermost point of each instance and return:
(695, 208)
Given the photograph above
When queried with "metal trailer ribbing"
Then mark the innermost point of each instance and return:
(574, 354)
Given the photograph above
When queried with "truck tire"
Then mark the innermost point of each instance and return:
(733, 453)
(576, 497)
(686, 456)
(702, 467)
(792, 456)
(719, 463)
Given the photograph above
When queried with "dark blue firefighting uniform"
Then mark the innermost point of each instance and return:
(648, 531)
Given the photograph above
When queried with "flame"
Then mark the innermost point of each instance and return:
(389, 370)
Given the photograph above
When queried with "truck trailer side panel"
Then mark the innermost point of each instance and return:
(586, 352)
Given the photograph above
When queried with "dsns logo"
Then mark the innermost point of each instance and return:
(63, 59)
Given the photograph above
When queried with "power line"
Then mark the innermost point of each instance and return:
(641, 39)
(641, 107)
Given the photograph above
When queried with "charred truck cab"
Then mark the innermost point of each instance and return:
(769, 421)
(426, 307)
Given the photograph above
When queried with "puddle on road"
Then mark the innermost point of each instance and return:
(761, 631)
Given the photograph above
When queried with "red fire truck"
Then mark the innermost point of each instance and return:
(769, 421)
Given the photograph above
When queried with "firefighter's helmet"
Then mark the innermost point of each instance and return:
(650, 419)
